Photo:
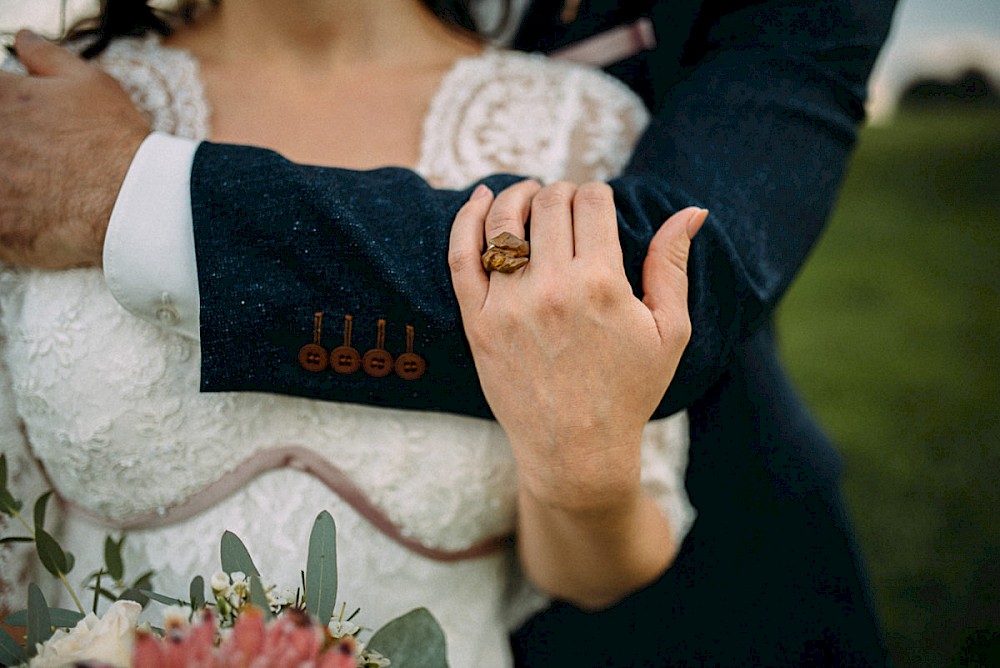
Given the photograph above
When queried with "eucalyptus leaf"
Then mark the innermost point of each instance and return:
(113, 558)
(50, 554)
(132, 594)
(40, 505)
(197, 592)
(16, 539)
(414, 640)
(144, 581)
(70, 561)
(39, 622)
(16, 618)
(160, 598)
(60, 617)
(66, 619)
(259, 598)
(107, 593)
(97, 588)
(11, 653)
(321, 568)
(235, 556)
(8, 504)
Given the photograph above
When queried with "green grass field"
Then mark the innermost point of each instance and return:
(892, 334)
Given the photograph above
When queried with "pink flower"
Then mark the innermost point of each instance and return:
(291, 640)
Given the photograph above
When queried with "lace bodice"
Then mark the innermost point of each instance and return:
(112, 411)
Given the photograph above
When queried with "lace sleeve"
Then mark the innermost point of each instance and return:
(518, 113)
(608, 119)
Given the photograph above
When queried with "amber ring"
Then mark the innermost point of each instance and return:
(506, 253)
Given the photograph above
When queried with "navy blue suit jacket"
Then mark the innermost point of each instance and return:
(756, 105)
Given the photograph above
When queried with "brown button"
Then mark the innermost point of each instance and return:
(345, 359)
(410, 366)
(313, 357)
(377, 362)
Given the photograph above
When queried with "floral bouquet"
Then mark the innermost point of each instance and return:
(242, 623)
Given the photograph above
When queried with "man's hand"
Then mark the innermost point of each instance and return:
(68, 133)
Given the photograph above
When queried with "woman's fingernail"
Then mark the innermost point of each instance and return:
(480, 192)
(695, 221)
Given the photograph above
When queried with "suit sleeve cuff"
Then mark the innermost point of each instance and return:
(149, 256)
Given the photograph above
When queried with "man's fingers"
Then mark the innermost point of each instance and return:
(465, 249)
(42, 57)
(664, 273)
(510, 210)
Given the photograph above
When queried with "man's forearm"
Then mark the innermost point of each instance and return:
(759, 133)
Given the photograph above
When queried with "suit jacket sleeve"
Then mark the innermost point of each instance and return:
(757, 128)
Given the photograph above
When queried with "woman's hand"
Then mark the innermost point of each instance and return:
(573, 365)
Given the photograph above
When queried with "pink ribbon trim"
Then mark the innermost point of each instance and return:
(305, 460)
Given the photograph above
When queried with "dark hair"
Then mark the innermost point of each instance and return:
(134, 18)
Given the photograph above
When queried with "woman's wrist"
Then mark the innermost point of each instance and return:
(595, 556)
(585, 474)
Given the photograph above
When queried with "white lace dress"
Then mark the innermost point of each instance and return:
(108, 404)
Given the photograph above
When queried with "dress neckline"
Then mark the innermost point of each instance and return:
(426, 139)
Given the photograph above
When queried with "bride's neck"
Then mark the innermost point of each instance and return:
(322, 33)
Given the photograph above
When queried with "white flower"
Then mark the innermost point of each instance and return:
(176, 616)
(340, 629)
(372, 659)
(106, 640)
(241, 586)
(219, 582)
(278, 600)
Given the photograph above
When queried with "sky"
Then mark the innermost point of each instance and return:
(935, 38)
(928, 16)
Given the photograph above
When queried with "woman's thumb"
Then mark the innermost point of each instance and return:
(664, 273)
(43, 58)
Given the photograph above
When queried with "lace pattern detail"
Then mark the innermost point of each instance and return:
(163, 83)
(112, 408)
(524, 114)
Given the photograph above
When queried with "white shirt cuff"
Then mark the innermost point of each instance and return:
(149, 258)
